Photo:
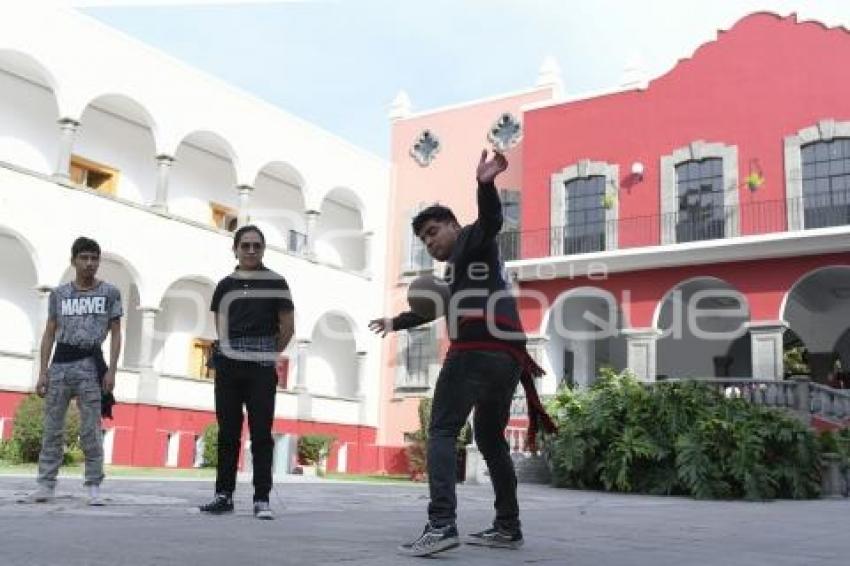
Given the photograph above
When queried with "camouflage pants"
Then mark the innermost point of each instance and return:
(66, 381)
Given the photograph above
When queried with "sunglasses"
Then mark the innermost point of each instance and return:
(246, 246)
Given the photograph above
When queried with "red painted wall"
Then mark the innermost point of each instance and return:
(764, 79)
(764, 283)
(141, 433)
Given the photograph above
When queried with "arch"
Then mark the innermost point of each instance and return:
(126, 107)
(211, 141)
(20, 309)
(817, 308)
(707, 322)
(184, 317)
(278, 205)
(657, 311)
(204, 176)
(339, 237)
(783, 305)
(31, 250)
(583, 331)
(29, 111)
(585, 291)
(331, 359)
(352, 325)
(119, 133)
(28, 67)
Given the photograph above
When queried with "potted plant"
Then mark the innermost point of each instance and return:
(608, 200)
(754, 180)
(313, 450)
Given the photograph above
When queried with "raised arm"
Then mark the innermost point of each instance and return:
(490, 219)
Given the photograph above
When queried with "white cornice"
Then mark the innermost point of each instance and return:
(744, 248)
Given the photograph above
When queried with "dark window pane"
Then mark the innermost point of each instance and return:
(808, 170)
(808, 152)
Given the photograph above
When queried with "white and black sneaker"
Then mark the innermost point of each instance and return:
(431, 541)
(222, 503)
(263, 511)
(495, 538)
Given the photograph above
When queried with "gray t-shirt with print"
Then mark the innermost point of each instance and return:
(83, 317)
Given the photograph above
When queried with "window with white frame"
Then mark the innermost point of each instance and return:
(584, 208)
(699, 193)
(699, 188)
(509, 238)
(415, 255)
(826, 183)
(584, 226)
(418, 351)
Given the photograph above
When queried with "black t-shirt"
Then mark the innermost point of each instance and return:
(253, 300)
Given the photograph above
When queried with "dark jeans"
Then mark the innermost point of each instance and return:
(239, 383)
(486, 381)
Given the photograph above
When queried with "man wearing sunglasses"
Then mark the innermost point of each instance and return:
(254, 319)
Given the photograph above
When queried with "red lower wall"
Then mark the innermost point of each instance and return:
(141, 436)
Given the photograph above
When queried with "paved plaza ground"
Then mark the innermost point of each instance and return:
(149, 522)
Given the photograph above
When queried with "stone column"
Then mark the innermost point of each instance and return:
(245, 192)
(584, 362)
(536, 346)
(360, 389)
(368, 236)
(163, 164)
(304, 402)
(766, 348)
(641, 352)
(147, 337)
(312, 218)
(43, 292)
(68, 128)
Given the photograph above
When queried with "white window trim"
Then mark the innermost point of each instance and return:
(558, 195)
(696, 151)
(403, 383)
(825, 130)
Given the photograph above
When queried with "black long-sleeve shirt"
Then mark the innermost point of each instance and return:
(476, 275)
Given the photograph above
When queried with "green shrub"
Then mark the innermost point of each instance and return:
(29, 427)
(73, 456)
(417, 441)
(210, 456)
(679, 438)
(312, 448)
(8, 451)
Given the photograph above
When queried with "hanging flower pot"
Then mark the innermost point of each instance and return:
(608, 201)
(754, 180)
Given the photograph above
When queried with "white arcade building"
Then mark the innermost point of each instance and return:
(103, 136)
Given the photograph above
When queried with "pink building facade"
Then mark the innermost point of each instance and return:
(695, 226)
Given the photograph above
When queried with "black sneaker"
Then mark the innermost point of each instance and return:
(431, 541)
(221, 503)
(495, 538)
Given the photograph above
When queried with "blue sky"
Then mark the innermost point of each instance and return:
(339, 63)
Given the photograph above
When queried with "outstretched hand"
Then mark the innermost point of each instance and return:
(489, 170)
(381, 326)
